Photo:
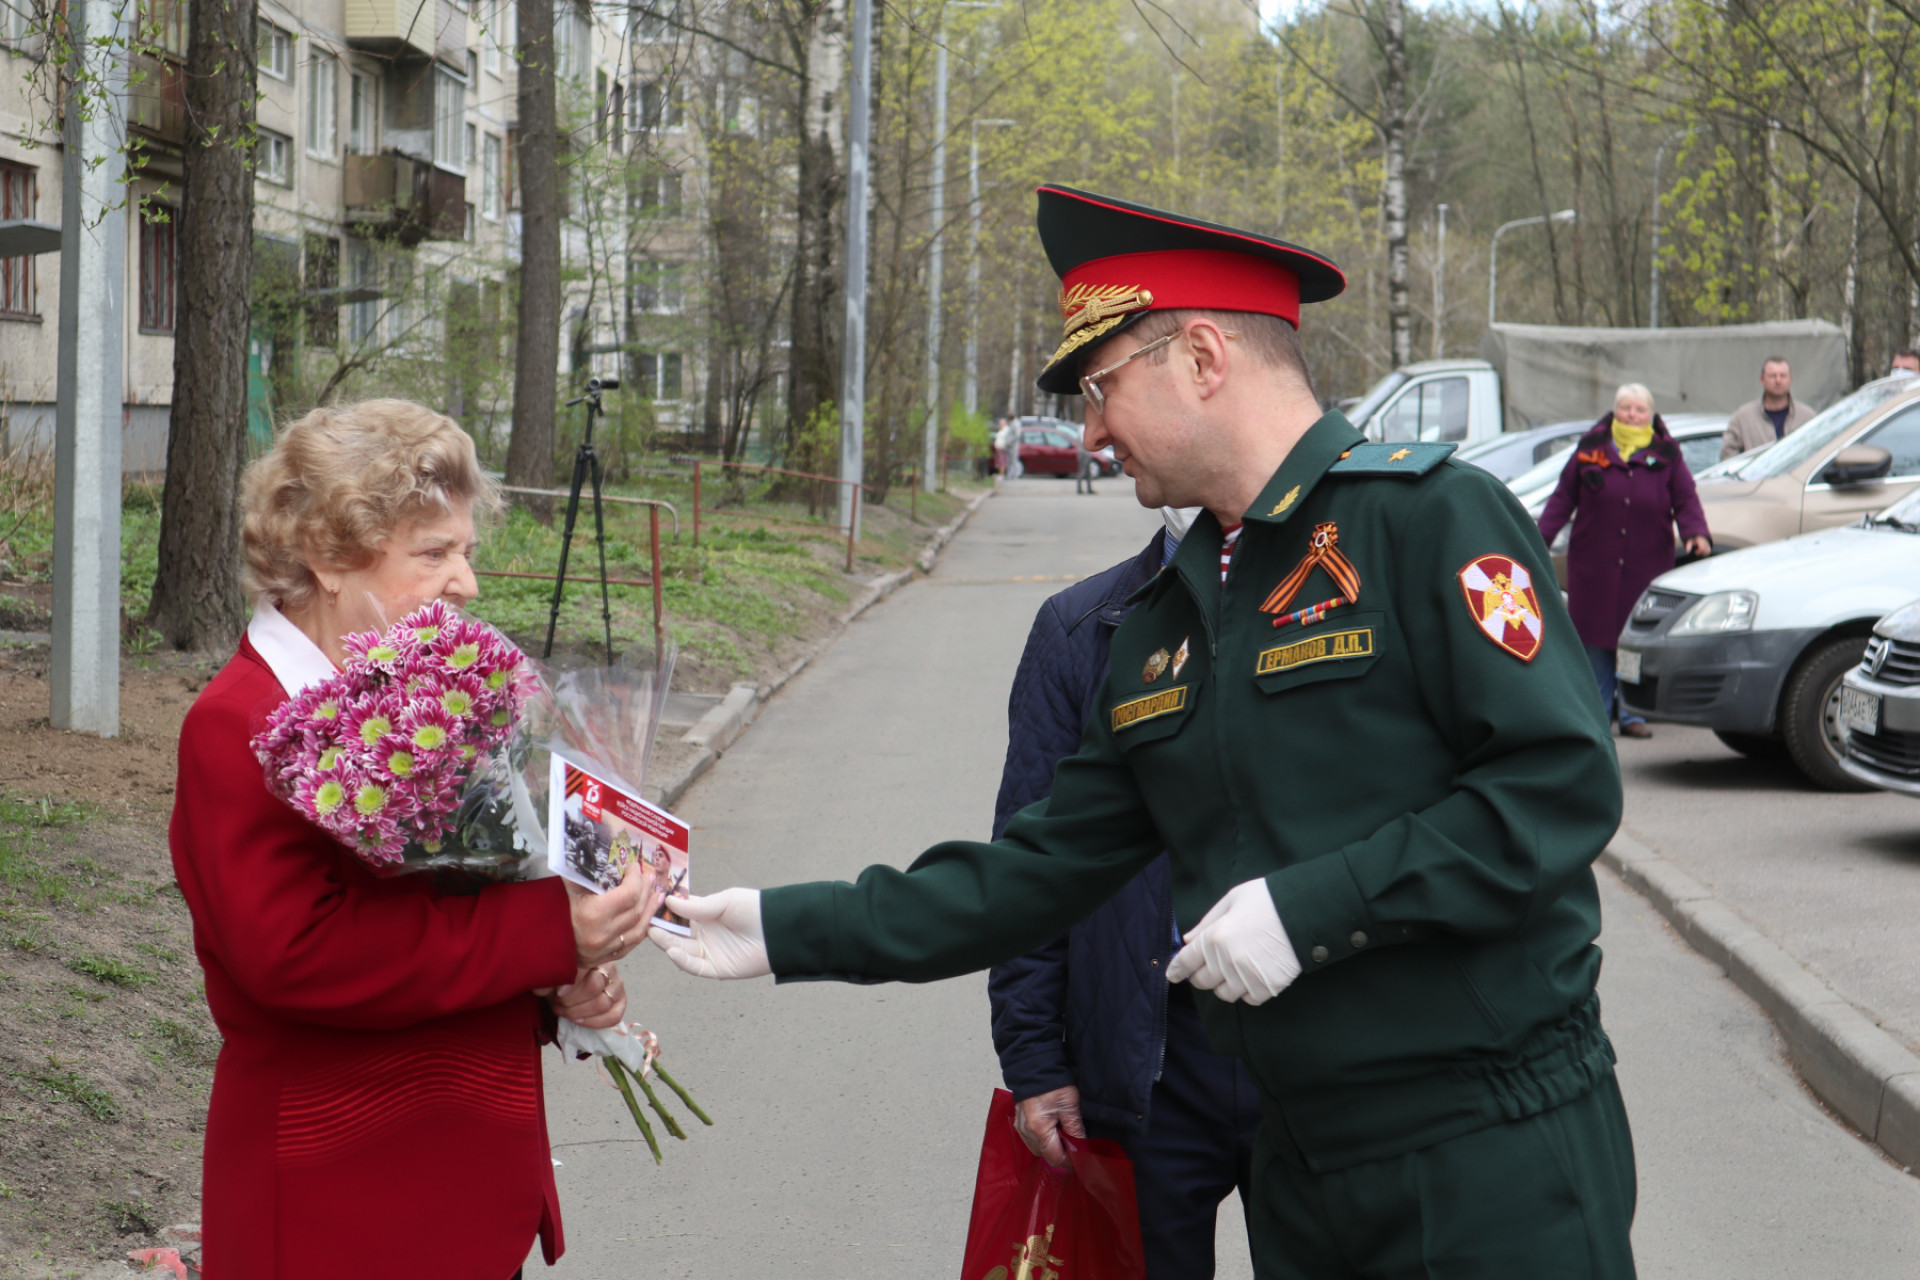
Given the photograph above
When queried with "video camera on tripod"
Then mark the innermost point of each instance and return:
(586, 465)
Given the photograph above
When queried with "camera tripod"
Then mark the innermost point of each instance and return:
(586, 466)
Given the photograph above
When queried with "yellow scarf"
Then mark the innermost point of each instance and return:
(1631, 440)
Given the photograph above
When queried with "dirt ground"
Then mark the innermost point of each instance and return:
(106, 1047)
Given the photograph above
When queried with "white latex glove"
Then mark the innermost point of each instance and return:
(727, 940)
(1239, 950)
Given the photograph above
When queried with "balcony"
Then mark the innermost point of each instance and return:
(398, 197)
(157, 101)
(395, 28)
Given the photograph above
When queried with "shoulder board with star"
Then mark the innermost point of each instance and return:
(1409, 460)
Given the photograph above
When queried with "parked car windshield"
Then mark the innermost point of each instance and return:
(1542, 474)
(1903, 515)
(1819, 432)
(1374, 398)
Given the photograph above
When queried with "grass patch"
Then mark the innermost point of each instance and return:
(131, 1217)
(24, 825)
(106, 969)
(71, 1086)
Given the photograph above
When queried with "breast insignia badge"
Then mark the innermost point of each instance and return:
(1499, 595)
(1323, 552)
(1179, 658)
(1156, 663)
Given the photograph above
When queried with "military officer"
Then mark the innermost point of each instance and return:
(1355, 711)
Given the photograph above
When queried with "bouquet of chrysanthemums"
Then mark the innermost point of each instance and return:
(429, 752)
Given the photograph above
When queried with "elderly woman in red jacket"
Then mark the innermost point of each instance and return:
(1625, 489)
(378, 1096)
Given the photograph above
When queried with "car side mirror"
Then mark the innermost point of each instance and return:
(1857, 464)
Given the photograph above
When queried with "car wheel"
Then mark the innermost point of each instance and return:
(1810, 713)
(1755, 746)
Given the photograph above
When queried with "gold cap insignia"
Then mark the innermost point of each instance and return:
(1089, 310)
(1156, 663)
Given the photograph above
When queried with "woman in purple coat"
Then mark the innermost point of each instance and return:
(1625, 488)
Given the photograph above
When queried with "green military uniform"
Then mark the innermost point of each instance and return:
(1384, 717)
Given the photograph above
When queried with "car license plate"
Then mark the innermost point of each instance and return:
(1859, 709)
(1626, 665)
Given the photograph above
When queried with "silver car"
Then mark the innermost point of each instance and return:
(1880, 706)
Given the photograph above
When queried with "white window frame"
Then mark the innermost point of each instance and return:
(274, 158)
(449, 119)
(492, 36)
(363, 115)
(280, 47)
(323, 107)
(492, 152)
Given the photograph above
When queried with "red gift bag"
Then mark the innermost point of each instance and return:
(1034, 1222)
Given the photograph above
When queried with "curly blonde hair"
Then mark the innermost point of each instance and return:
(339, 481)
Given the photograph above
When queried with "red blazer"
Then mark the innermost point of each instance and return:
(378, 1097)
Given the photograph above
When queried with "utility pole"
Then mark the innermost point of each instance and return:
(930, 466)
(1440, 289)
(86, 503)
(973, 265)
(853, 351)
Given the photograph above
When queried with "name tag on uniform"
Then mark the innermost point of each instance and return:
(1330, 646)
(1154, 704)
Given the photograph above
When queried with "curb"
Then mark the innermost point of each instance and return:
(720, 727)
(1864, 1074)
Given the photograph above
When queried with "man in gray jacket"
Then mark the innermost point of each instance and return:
(1775, 414)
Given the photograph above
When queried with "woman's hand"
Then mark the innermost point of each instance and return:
(1700, 545)
(608, 925)
(595, 998)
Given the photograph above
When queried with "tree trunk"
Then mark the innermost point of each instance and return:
(536, 354)
(197, 598)
(1393, 124)
(813, 364)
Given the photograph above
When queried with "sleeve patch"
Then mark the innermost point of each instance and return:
(1500, 599)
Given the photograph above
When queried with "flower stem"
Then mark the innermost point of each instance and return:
(673, 1126)
(619, 1074)
(685, 1097)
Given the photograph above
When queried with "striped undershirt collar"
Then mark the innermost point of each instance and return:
(1228, 540)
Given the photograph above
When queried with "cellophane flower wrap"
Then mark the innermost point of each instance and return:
(416, 755)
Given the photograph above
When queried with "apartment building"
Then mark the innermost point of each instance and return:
(386, 209)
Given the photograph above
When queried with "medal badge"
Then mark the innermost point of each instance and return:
(1323, 553)
(1179, 658)
(1156, 663)
(1499, 595)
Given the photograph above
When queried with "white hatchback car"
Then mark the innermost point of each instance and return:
(1754, 644)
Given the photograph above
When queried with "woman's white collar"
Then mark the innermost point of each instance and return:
(295, 660)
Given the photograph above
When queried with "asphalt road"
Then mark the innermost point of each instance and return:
(1832, 877)
(850, 1117)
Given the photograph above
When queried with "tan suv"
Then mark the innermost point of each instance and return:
(1858, 456)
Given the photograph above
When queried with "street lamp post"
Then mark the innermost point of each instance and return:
(973, 265)
(1653, 287)
(853, 353)
(1493, 254)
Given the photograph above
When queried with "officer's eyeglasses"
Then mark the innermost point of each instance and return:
(1090, 383)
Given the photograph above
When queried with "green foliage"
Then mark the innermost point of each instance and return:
(970, 429)
(69, 1085)
(106, 969)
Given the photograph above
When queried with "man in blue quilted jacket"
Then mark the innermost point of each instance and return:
(1091, 1037)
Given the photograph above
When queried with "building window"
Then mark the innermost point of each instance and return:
(662, 105)
(16, 21)
(164, 21)
(659, 194)
(470, 155)
(323, 106)
(659, 375)
(469, 228)
(449, 120)
(275, 157)
(159, 255)
(492, 35)
(490, 176)
(656, 287)
(17, 194)
(572, 42)
(656, 21)
(361, 140)
(363, 317)
(320, 276)
(275, 51)
(511, 185)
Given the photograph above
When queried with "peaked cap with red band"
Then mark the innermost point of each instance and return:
(1117, 261)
